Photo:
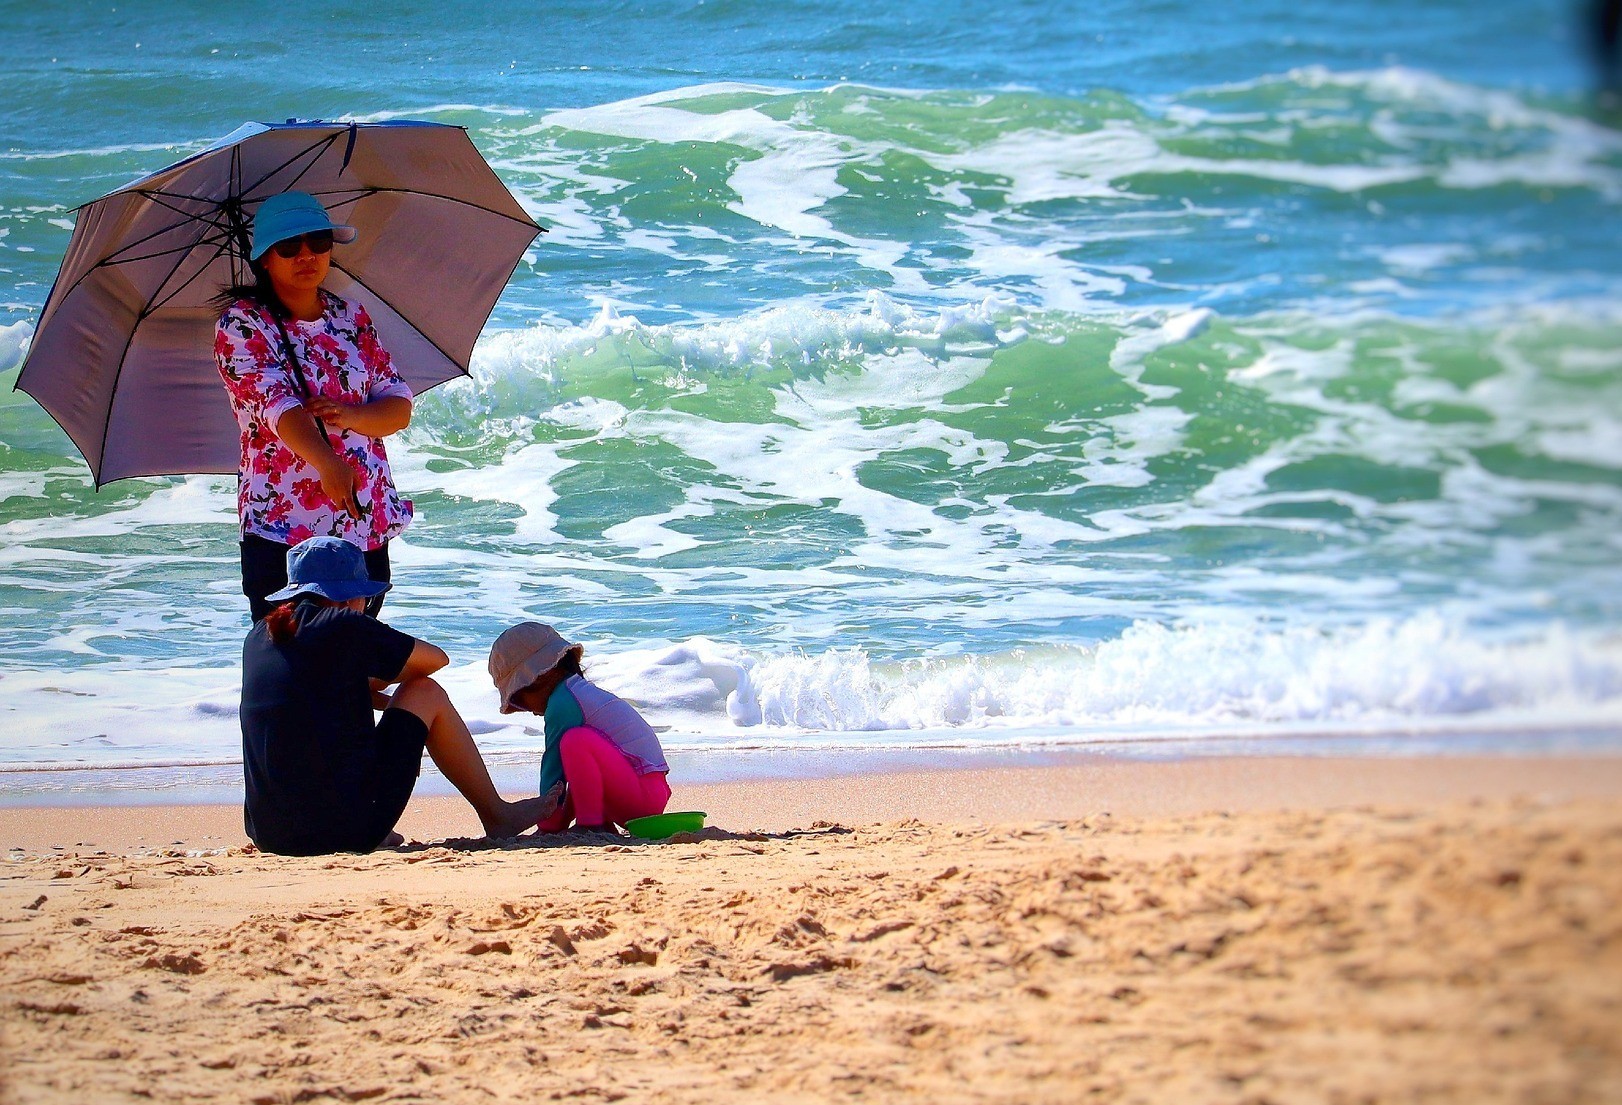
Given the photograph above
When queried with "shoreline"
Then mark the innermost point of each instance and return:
(1001, 789)
(204, 783)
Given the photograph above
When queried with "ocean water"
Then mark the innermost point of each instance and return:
(970, 376)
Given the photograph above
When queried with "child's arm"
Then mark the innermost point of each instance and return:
(562, 714)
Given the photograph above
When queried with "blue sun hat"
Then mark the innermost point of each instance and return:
(327, 566)
(287, 216)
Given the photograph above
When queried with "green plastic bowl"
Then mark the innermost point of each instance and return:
(661, 825)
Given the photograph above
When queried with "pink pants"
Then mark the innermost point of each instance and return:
(603, 786)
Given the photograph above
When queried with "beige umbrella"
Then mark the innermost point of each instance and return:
(123, 357)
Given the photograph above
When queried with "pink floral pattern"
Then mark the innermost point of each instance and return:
(279, 497)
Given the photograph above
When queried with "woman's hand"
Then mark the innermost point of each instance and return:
(331, 413)
(378, 418)
(340, 483)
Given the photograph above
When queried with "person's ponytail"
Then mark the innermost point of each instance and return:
(281, 624)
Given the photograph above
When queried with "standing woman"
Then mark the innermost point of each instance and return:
(314, 394)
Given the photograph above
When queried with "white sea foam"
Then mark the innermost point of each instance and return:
(14, 339)
(194, 500)
(1223, 675)
(177, 149)
(791, 172)
(1045, 166)
(1058, 284)
(819, 437)
(90, 717)
(1425, 667)
(436, 109)
(510, 366)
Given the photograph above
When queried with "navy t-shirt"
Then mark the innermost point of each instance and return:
(308, 747)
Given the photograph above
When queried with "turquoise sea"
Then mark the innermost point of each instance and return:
(976, 376)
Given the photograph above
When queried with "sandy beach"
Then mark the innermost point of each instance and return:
(1114, 514)
(1238, 930)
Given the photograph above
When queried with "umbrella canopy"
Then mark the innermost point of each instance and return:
(123, 357)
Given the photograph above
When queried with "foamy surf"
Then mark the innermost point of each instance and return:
(1146, 393)
(1154, 682)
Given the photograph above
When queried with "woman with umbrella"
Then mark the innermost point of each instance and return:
(126, 357)
(315, 394)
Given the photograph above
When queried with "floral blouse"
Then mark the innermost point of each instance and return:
(279, 497)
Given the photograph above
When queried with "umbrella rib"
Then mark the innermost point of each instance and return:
(211, 217)
(156, 304)
(206, 239)
(152, 304)
(236, 229)
(209, 228)
(161, 197)
(161, 194)
(107, 423)
(112, 258)
(400, 315)
(352, 196)
(312, 163)
(355, 195)
(525, 221)
(314, 148)
(108, 262)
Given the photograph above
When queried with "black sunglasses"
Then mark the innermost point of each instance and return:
(319, 241)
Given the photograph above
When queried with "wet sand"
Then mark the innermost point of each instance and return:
(1053, 787)
(1237, 930)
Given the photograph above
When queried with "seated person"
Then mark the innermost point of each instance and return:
(319, 774)
(596, 742)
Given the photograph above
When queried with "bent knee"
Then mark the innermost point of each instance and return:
(423, 696)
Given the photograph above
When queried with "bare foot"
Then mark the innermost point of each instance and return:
(515, 817)
(393, 840)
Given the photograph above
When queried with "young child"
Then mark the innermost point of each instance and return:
(595, 742)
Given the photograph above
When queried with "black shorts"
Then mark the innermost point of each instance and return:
(370, 809)
(264, 572)
(401, 738)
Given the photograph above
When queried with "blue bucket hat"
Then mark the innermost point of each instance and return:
(287, 216)
(327, 566)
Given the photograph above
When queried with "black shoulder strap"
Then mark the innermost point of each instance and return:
(292, 360)
(298, 377)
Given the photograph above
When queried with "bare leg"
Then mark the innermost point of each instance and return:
(455, 754)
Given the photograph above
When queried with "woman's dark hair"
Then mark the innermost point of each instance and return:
(260, 291)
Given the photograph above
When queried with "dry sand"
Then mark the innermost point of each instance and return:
(1449, 941)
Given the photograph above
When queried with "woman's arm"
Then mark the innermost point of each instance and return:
(387, 406)
(378, 418)
(425, 659)
(338, 480)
